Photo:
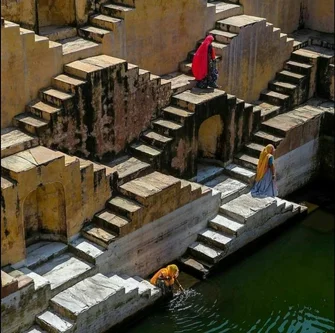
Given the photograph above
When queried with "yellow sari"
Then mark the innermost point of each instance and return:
(263, 162)
(168, 274)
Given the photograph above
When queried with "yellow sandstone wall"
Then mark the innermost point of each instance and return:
(22, 12)
(165, 32)
(289, 14)
(320, 15)
(27, 66)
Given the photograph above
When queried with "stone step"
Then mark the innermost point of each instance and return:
(41, 252)
(115, 10)
(224, 10)
(276, 98)
(57, 32)
(146, 152)
(85, 249)
(189, 100)
(144, 76)
(155, 139)
(9, 284)
(236, 23)
(76, 48)
(270, 127)
(207, 172)
(44, 110)
(166, 127)
(226, 225)
(214, 238)
(266, 138)
(186, 67)
(179, 82)
(98, 235)
(67, 83)
(222, 36)
(154, 291)
(283, 87)
(93, 34)
(129, 168)
(54, 323)
(88, 298)
(39, 281)
(64, 271)
(130, 288)
(245, 175)
(304, 56)
(19, 165)
(290, 77)
(176, 114)
(30, 123)
(147, 189)
(113, 222)
(219, 48)
(287, 206)
(298, 67)
(131, 209)
(230, 188)
(14, 141)
(195, 266)
(247, 209)
(143, 289)
(253, 149)
(204, 252)
(246, 161)
(105, 22)
(196, 189)
(57, 97)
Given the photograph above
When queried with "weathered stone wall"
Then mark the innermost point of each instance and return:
(160, 242)
(27, 65)
(108, 111)
(160, 33)
(290, 15)
(20, 11)
(319, 15)
(248, 63)
(284, 14)
(44, 170)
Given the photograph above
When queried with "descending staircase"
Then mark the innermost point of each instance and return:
(293, 86)
(87, 41)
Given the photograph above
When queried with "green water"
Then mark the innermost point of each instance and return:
(282, 284)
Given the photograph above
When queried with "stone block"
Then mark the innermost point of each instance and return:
(9, 284)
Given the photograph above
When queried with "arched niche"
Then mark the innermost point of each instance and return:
(44, 214)
(210, 138)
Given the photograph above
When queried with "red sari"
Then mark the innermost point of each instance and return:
(200, 61)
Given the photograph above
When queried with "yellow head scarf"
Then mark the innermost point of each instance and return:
(262, 165)
(172, 269)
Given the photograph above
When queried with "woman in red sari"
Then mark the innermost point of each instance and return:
(203, 64)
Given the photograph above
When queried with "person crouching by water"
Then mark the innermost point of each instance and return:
(204, 65)
(265, 181)
(165, 278)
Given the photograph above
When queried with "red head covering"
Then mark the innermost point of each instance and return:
(200, 61)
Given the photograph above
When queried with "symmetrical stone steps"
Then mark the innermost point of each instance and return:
(137, 202)
(59, 99)
(292, 86)
(222, 236)
(96, 303)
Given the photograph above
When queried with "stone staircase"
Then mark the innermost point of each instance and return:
(230, 22)
(46, 116)
(293, 86)
(95, 304)
(241, 217)
(100, 36)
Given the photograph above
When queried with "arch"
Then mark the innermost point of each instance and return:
(44, 214)
(210, 136)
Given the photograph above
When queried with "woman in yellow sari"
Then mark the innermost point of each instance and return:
(265, 184)
(165, 278)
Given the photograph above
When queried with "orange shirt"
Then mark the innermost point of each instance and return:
(165, 275)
